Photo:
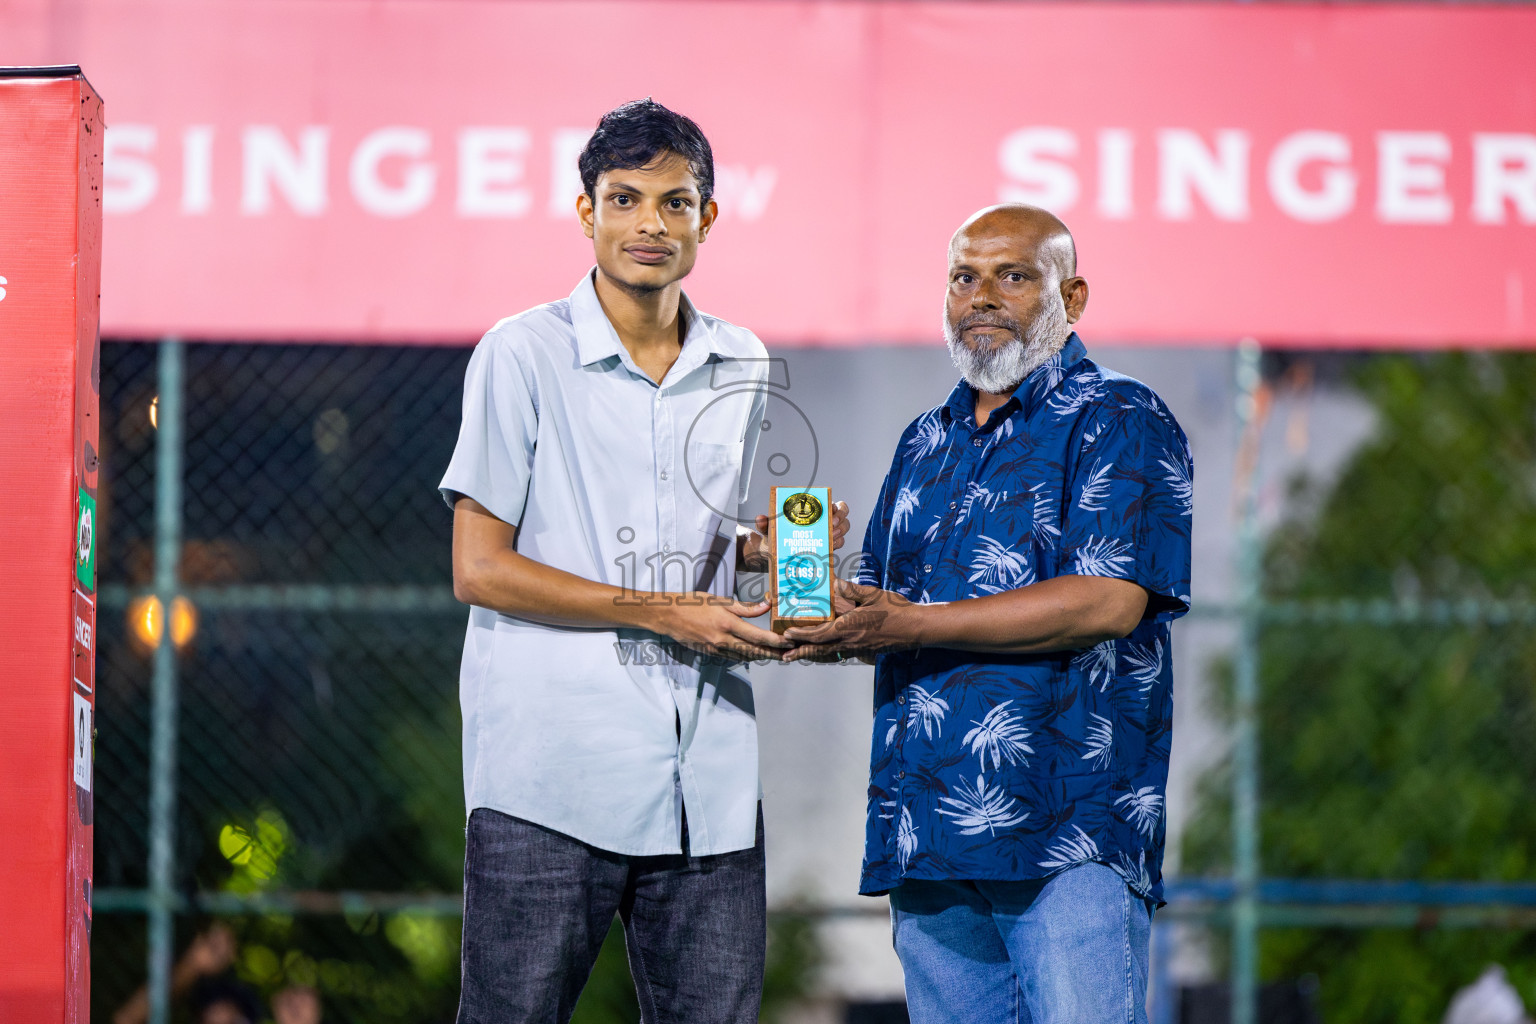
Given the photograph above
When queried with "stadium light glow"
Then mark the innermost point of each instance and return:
(146, 621)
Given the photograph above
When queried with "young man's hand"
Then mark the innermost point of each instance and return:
(869, 621)
(754, 543)
(718, 626)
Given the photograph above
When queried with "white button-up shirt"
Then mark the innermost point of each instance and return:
(607, 735)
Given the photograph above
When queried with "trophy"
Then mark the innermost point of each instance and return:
(800, 550)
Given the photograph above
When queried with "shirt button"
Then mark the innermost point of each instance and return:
(663, 474)
(666, 547)
(954, 504)
(900, 776)
(976, 442)
(901, 698)
(927, 568)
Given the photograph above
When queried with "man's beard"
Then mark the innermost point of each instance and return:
(634, 290)
(999, 368)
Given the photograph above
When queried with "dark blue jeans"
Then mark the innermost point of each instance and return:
(537, 905)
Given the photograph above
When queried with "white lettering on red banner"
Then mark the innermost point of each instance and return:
(1341, 175)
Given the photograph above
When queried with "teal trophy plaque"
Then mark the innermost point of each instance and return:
(800, 547)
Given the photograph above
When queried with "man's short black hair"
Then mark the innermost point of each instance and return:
(225, 988)
(634, 134)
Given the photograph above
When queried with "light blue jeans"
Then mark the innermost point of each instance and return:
(1069, 949)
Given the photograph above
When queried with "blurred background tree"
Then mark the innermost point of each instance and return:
(1404, 752)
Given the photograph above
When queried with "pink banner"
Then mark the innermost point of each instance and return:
(404, 170)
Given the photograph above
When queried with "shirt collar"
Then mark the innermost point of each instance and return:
(1031, 392)
(596, 339)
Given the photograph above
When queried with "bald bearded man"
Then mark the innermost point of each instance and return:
(1023, 565)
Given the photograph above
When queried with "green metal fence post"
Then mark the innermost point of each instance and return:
(1245, 750)
(162, 751)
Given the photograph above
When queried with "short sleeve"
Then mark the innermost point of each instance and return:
(493, 459)
(877, 535)
(1129, 499)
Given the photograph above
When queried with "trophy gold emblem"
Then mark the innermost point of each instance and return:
(802, 509)
(800, 551)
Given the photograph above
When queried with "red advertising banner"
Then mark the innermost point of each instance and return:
(404, 170)
(50, 245)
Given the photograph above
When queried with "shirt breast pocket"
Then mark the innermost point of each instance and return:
(712, 473)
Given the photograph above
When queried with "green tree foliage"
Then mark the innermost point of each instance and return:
(1403, 752)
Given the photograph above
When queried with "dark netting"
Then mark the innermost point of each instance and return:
(319, 813)
(1394, 694)
(318, 728)
(304, 463)
(318, 745)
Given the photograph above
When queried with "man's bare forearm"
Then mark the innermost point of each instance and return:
(1062, 614)
(514, 584)
(490, 573)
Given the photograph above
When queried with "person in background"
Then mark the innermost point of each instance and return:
(221, 999)
(201, 978)
(211, 953)
(1491, 999)
(296, 1004)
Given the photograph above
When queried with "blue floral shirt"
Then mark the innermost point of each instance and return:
(998, 766)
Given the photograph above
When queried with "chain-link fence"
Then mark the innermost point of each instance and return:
(318, 728)
(307, 753)
(1381, 692)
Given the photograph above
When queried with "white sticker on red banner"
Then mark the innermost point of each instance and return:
(85, 718)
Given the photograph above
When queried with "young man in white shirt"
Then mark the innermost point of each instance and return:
(610, 751)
